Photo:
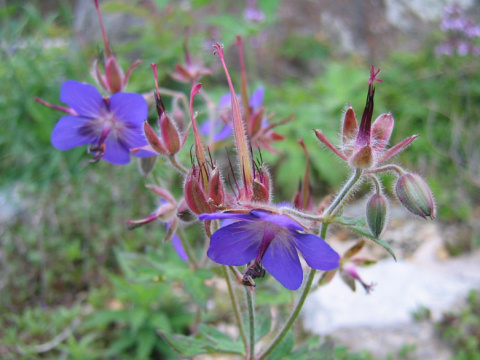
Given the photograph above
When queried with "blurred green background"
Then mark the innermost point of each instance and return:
(68, 265)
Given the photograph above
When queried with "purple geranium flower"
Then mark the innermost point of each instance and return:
(222, 126)
(112, 125)
(272, 240)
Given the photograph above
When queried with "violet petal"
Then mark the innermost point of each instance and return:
(316, 252)
(116, 151)
(177, 245)
(72, 131)
(280, 220)
(256, 100)
(83, 98)
(227, 215)
(235, 244)
(129, 108)
(282, 262)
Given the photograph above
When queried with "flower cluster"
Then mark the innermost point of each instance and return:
(461, 33)
(261, 235)
(364, 148)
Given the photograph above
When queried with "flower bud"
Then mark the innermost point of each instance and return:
(153, 139)
(170, 134)
(414, 193)
(184, 213)
(216, 191)
(195, 195)
(377, 214)
(146, 165)
(261, 185)
(114, 75)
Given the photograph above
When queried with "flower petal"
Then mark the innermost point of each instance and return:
(235, 244)
(129, 108)
(256, 100)
(316, 252)
(177, 245)
(228, 215)
(116, 150)
(282, 262)
(280, 220)
(72, 131)
(83, 98)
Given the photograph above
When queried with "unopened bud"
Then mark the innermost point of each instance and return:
(146, 165)
(216, 191)
(377, 214)
(170, 134)
(415, 194)
(184, 213)
(114, 75)
(195, 196)
(261, 185)
(153, 139)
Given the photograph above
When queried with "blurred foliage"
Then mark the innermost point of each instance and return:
(69, 267)
(462, 329)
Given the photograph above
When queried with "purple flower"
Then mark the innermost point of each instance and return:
(271, 240)
(222, 126)
(112, 126)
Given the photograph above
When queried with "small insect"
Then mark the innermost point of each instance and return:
(254, 271)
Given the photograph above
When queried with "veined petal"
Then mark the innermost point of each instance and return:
(134, 138)
(129, 108)
(72, 131)
(235, 244)
(83, 98)
(282, 262)
(116, 150)
(316, 252)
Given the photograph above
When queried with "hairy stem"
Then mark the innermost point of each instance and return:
(251, 321)
(236, 308)
(342, 196)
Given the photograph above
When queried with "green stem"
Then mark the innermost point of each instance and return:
(302, 215)
(332, 209)
(337, 204)
(389, 167)
(291, 319)
(251, 321)
(236, 308)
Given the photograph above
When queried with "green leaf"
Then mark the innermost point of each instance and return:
(190, 346)
(284, 348)
(357, 226)
(195, 285)
(185, 345)
(222, 342)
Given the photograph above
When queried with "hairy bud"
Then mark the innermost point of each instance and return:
(377, 214)
(415, 194)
